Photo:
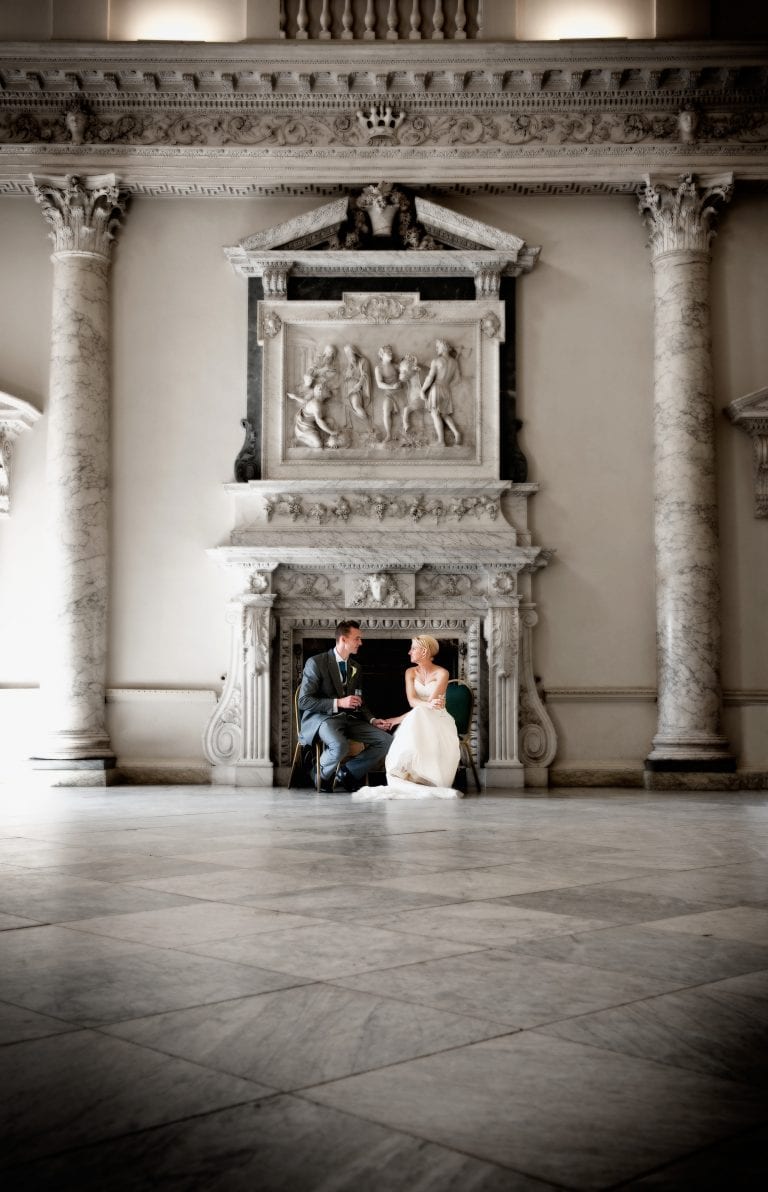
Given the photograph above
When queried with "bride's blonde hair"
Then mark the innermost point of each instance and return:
(430, 644)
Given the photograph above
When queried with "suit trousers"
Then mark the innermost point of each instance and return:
(337, 731)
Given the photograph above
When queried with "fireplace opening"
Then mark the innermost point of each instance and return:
(384, 661)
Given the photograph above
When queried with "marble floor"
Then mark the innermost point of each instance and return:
(263, 990)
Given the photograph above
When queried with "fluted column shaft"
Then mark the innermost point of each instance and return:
(83, 215)
(679, 216)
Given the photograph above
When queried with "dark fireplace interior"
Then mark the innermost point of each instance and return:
(384, 661)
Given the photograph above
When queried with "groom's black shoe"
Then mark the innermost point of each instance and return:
(326, 784)
(345, 781)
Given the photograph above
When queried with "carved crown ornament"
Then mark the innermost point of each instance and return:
(284, 118)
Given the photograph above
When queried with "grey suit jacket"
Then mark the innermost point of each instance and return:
(320, 686)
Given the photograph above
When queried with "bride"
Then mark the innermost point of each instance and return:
(424, 755)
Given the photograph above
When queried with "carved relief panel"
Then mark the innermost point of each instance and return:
(381, 384)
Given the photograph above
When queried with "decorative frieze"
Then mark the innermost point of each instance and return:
(376, 507)
(494, 126)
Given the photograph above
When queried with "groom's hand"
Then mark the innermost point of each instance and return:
(349, 701)
(379, 723)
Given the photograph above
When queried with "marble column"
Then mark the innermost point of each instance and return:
(680, 215)
(84, 215)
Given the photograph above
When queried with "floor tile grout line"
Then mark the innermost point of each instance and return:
(549, 1184)
(112, 1138)
(662, 1167)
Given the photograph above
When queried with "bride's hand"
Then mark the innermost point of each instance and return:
(437, 702)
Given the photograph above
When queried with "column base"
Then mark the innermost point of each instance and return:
(691, 780)
(500, 775)
(687, 765)
(260, 774)
(87, 771)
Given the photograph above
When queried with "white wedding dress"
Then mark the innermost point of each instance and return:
(424, 755)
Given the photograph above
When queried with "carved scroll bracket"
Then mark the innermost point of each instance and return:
(751, 414)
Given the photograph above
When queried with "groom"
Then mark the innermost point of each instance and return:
(331, 709)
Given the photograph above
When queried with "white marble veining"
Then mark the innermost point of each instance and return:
(83, 217)
(679, 216)
(460, 1037)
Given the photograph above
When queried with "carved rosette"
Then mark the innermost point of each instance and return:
(84, 214)
(680, 215)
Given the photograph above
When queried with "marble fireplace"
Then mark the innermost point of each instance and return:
(380, 476)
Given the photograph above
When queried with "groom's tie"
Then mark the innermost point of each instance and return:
(343, 672)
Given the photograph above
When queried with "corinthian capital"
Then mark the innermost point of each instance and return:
(84, 214)
(680, 214)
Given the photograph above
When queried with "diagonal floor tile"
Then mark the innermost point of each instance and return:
(737, 1163)
(18, 1024)
(177, 927)
(574, 1115)
(494, 924)
(672, 957)
(327, 950)
(59, 1093)
(718, 1029)
(347, 901)
(507, 988)
(747, 923)
(283, 1144)
(611, 902)
(302, 1036)
(56, 898)
(89, 979)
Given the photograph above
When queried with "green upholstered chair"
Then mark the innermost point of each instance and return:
(460, 701)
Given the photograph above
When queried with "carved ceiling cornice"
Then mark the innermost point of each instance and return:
(288, 117)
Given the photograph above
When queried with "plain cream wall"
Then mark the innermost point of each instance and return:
(585, 394)
(25, 329)
(740, 358)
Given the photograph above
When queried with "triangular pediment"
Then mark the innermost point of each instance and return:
(303, 231)
(15, 413)
(751, 408)
(383, 221)
(459, 231)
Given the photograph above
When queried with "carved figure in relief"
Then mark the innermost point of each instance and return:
(326, 368)
(311, 422)
(387, 376)
(443, 372)
(358, 382)
(415, 401)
